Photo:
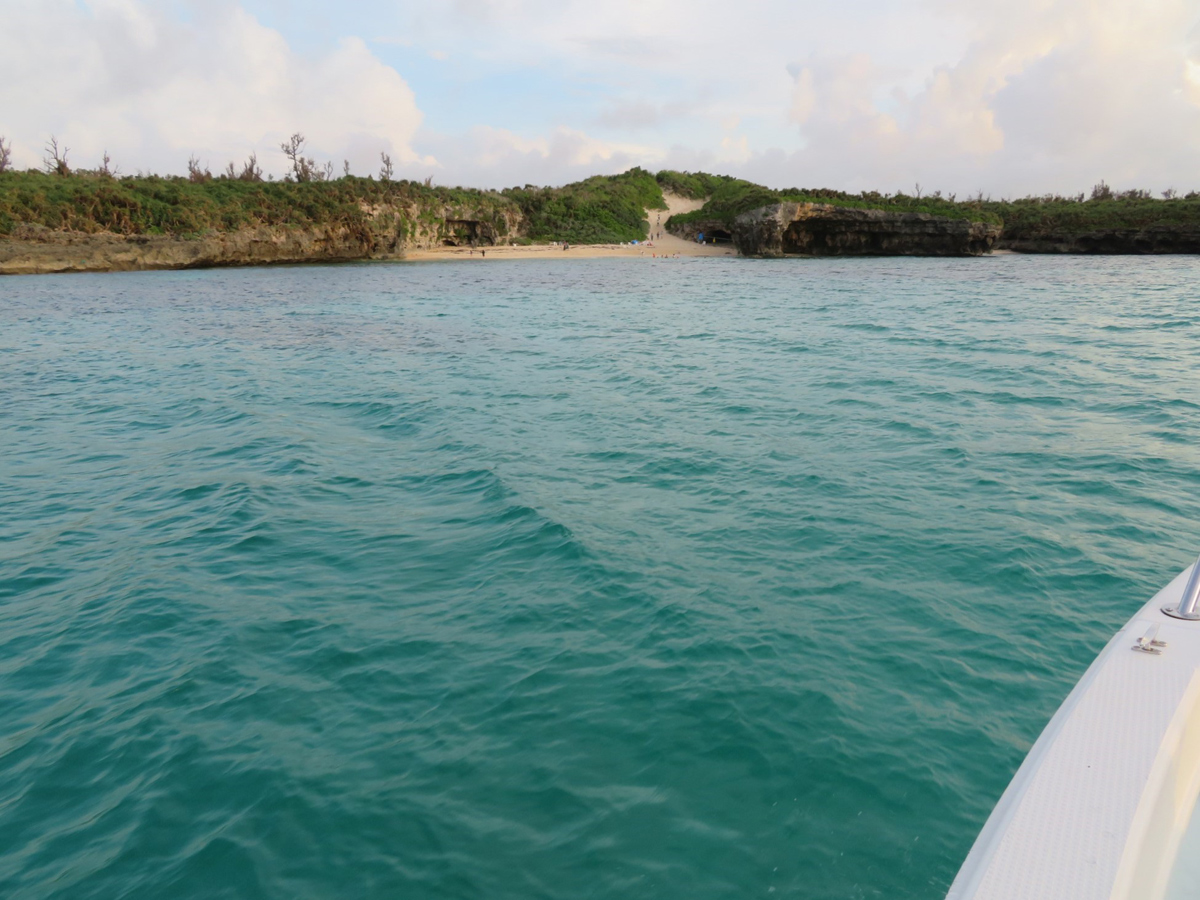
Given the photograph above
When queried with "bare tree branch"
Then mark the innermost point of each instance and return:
(303, 168)
(197, 173)
(251, 171)
(55, 160)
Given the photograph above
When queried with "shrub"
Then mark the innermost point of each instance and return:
(601, 209)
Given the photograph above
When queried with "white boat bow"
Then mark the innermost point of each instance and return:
(1102, 803)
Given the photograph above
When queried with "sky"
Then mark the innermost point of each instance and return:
(1025, 97)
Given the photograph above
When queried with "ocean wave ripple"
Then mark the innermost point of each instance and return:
(580, 579)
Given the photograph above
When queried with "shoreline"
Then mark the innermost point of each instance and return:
(648, 250)
(49, 252)
(660, 245)
(78, 264)
(78, 254)
(42, 251)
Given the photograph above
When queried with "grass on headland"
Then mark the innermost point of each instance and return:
(732, 196)
(1035, 217)
(1027, 217)
(598, 210)
(603, 209)
(692, 185)
(151, 205)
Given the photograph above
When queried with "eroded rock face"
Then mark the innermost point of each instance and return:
(56, 251)
(1154, 239)
(385, 234)
(818, 229)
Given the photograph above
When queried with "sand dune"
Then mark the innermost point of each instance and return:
(668, 245)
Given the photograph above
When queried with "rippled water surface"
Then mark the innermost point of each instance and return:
(607, 579)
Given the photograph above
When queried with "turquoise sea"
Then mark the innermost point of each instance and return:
(566, 579)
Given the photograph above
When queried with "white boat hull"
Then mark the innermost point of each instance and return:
(1099, 807)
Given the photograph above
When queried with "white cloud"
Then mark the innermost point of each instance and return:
(121, 75)
(1191, 72)
(1033, 95)
(496, 157)
(804, 96)
(639, 114)
(1036, 95)
(1049, 96)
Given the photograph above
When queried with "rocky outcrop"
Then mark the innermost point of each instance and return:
(457, 226)
(1152, 239)
(818, 229)
(703, 229)
(384, 233)
(40, 251)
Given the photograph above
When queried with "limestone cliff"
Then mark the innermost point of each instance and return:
(1151, 239)
(385, 233)
(818, 229)
(41, 251)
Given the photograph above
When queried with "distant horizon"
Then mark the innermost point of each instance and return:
(1031, 99)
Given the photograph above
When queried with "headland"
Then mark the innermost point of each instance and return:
(93, 221)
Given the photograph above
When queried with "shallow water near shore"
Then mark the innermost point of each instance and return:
(605, 579)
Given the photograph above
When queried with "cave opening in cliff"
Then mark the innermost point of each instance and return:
(717, 236)
(801, 238)
(817, 237)
(469, 232)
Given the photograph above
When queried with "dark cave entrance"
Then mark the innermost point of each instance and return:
(466, 232)
(798, 238)
(818, 237)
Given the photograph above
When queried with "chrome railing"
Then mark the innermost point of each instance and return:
(1189, 603)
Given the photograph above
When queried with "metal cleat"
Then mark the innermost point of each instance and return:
(1149, 642)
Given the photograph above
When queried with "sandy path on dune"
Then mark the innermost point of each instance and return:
(668, 245)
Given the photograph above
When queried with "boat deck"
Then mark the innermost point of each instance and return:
(1184, 883)
(1102, 803)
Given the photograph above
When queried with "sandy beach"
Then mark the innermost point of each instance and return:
(666, 246)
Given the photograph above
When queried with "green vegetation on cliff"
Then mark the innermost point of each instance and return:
(1037, 217)
(693, 185)
(730, 197)
(178, 206)
(1030, 217)
(602, 209)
